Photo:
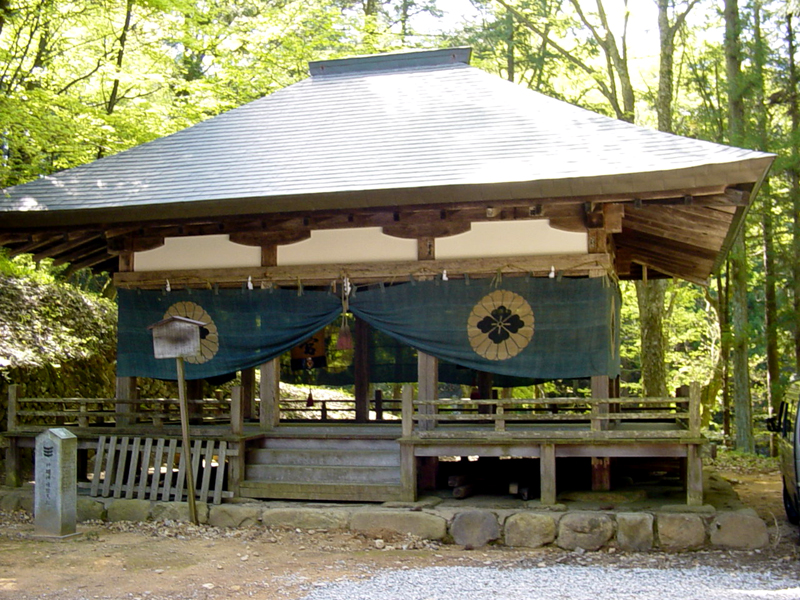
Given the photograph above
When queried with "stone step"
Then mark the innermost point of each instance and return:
(317, 457)
(312, 443)
(324, 474)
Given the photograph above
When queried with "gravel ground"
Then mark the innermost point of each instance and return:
(563, 582)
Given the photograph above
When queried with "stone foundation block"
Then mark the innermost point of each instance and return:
(530, 530)
(741, 530)
(420, 524)
(680, 532)
(635, 531)
(179, 511)
(89, 509)
(129, 510)
(586, 530)
(474, 528)
(234, 515)
(305, 518)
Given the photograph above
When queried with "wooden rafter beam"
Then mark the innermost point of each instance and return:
(66, 246)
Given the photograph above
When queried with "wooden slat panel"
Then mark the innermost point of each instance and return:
(197, 447)
(159, 456)
(146, 457)
(112, 448)
(122, 459)
(209, 455)
(98, 465)
(135, 452)
(173, 444)
(220, 482)
(180, 484)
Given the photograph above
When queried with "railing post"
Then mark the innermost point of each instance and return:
(237, 412)
(499, 419)
(378, 405)
(408, 411)
(126, 390)
(694, 409)
(428, 373)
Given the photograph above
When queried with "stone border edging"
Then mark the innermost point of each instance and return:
(673, 529)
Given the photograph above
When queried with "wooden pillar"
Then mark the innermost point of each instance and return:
(379, 405)
(237, 410)
(126, 390)
(361, 370)
(270, 415)
(601, 465)
(126, 386)
(408, 462)
(428, 378)
(547, 473)
(249, 393)
(194, 391)
(13, 458)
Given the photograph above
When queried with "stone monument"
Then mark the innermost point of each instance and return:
(56, 490)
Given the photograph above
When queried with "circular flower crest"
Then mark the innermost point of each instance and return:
(500, 325)
(209, 336)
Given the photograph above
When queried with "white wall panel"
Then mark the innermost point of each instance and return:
(199, 252)
(330, 246)
(511, 238)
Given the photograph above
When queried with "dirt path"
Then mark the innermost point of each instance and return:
(154, 561)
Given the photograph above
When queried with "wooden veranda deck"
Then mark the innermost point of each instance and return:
(137, 452)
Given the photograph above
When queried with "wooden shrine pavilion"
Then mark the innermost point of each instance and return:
(477, 223)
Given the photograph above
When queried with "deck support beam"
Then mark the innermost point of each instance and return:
(694, 476)
(601, 465)
(547, 474)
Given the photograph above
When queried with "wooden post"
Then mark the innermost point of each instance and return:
(361, 370)
(379, 405)
(428, 376)
(249, 393)
(408, 412)
(408, 471)
(270, 415)
(13, 462)
(126, 390)
(237, 410)
(601, 465)
(186, 453)
(694, 475)
(694, 409)
(547, 473)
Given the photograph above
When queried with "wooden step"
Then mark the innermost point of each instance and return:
(322, 491)
(323, 474)
(314, 443)
(317, 457)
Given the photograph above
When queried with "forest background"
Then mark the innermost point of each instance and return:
(83, 79)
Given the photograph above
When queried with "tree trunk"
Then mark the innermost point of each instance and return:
(794, 184)
(650, 296)
(767, 229)
(738, 256)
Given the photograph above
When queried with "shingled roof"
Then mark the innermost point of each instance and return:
(390, 130)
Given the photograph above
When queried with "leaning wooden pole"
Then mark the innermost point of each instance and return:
(187, 448)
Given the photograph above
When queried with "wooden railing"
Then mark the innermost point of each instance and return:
(329, 410)
(35, 414)
(574, 418)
